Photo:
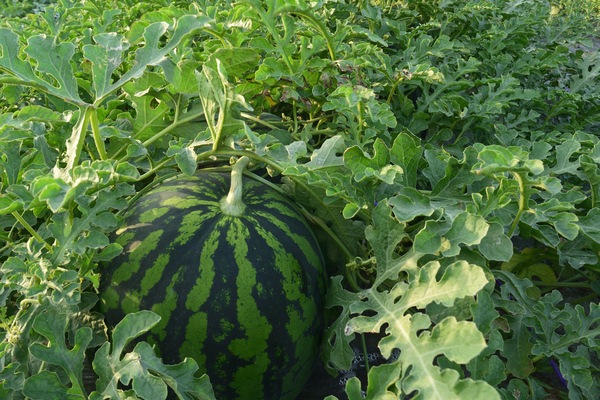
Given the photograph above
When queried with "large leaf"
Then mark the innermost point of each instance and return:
(106, 55)
(447, 236)
(378, 166)
(45, 385)
(53, 326)
(218, 99)
(50, 57)
(395, 312)
(141, 368)
(406, 152)
(543, 327)
(55, 60)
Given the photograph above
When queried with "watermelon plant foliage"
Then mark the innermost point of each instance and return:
(446, 153)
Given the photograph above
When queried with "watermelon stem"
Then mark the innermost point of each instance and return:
(232, 204)
(348, 272)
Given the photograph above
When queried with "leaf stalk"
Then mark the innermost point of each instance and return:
(31, 231)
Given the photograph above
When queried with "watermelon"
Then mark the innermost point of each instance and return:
(236, 274)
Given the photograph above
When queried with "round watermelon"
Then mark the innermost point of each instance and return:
(237, 276)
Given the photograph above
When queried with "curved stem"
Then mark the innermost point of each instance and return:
(312, 218)
(154, 169)
(295, 116)
(585, 299)
(258, 120)
(360, 122)
(77, 139)
(392, 91)
(95, 124)
(158, 135)
(217, 130)
(31, 231)
(232, 204)
(522, 203)
(365, 352)
(317, 24)
(175, 124)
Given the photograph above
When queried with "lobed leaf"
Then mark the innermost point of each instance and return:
(46, 384)
(395, 312)
(406, 152)
(106, 56)
(540, 327)
(445, 237)
(141, 368)
(50, 58)
(55, 59)
(53, 325)
(377, 166)
(152, 52)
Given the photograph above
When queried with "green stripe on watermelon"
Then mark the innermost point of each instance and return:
(241, 294)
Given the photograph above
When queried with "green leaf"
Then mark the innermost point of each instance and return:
(466, 229)
(132, 326)
(496, 159)
(564, 153)
(430, 239)
(218, 98)
(271, 70)
(381, 378)
(350, 210)
(74, 235)
(152, 52)
(38, 113)
(106, 56)
(536, 332)
(410, 332)
(580, 328)
(109, 364)
(590, 170)
(406, 152)
(377, 166)
(180, 377)
(446, 237)
(50, 58)
(9, 57)
(495, 245)
(8, 205)
(341, 354)
(328, 154)
(237, 61)
(12, 380)
(456, 174)
(410, 203)
(384, 235)
(590, 224)
(178, 75)
(51, 190)
(150, 112)
(590, 70)
(517, 349)
(46, 385)
(141, 368)
(459, 341)
(186, 160)
(566, 224)
(53, 325)
(55, 60)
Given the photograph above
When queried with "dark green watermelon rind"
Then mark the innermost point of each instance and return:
(278, 313)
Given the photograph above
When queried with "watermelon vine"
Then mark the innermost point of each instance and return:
(438, 158)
